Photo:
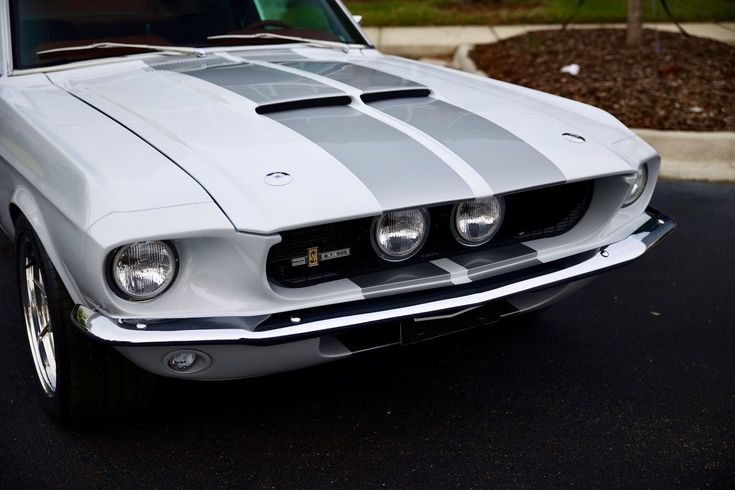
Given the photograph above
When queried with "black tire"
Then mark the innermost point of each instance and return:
(93, 382)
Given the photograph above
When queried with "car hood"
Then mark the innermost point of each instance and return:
(284, 138)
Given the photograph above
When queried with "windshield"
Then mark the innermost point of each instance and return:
(43, 25)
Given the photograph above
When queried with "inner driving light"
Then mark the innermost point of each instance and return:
(399, 235)
(638, 186)
(144, 270)
(477, 221)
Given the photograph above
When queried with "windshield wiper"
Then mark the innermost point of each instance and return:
(269, 35)
(171, 49)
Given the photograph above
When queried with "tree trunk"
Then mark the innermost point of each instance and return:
(635, 23)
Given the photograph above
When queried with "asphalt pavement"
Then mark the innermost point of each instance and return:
(630, 383)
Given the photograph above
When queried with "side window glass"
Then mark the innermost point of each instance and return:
(271, 9)
(300, 14)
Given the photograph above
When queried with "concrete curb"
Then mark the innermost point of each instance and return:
(462, 60)
(685, 155)
(693, 155)
(436, 41)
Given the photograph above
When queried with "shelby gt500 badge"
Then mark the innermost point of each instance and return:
(313, 258)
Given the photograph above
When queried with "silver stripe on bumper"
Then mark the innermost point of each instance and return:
(111, 331)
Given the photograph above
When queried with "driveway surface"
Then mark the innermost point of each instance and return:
(630, 383)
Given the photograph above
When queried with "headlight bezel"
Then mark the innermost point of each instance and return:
(461, 239)
(420, 245)
(634, 194)
(119, 289)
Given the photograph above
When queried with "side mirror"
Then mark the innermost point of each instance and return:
(357, 19)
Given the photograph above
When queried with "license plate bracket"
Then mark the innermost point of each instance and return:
(419, 329)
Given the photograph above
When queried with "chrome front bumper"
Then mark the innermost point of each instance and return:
(323, 323)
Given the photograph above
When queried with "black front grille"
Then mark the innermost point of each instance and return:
(529, 215)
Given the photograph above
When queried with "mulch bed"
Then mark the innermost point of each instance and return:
(689, 84)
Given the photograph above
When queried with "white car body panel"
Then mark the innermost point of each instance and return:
(104, 153)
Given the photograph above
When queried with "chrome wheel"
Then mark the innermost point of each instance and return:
(38, 323)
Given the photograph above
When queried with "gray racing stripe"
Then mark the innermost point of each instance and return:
(265, 85)
(478, 265)
(506, 162)
(366, 79)
(401, 279)
(458, 273)
(398, 170)
(275, 56)
(495, 261)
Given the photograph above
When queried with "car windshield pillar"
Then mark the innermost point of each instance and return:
(5, 40)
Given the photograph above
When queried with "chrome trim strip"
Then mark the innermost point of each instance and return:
(6, 40)
(447, 316)
(108, 330)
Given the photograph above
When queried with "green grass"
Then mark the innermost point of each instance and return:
(467, 12)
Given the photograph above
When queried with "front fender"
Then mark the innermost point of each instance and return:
(58, 235)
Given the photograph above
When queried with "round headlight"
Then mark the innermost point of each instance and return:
(639, 185)
(477, 221)
(144, 270)
(399, 235)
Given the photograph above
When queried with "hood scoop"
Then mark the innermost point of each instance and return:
(409, 93)
(290, 105)
(341, 100)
